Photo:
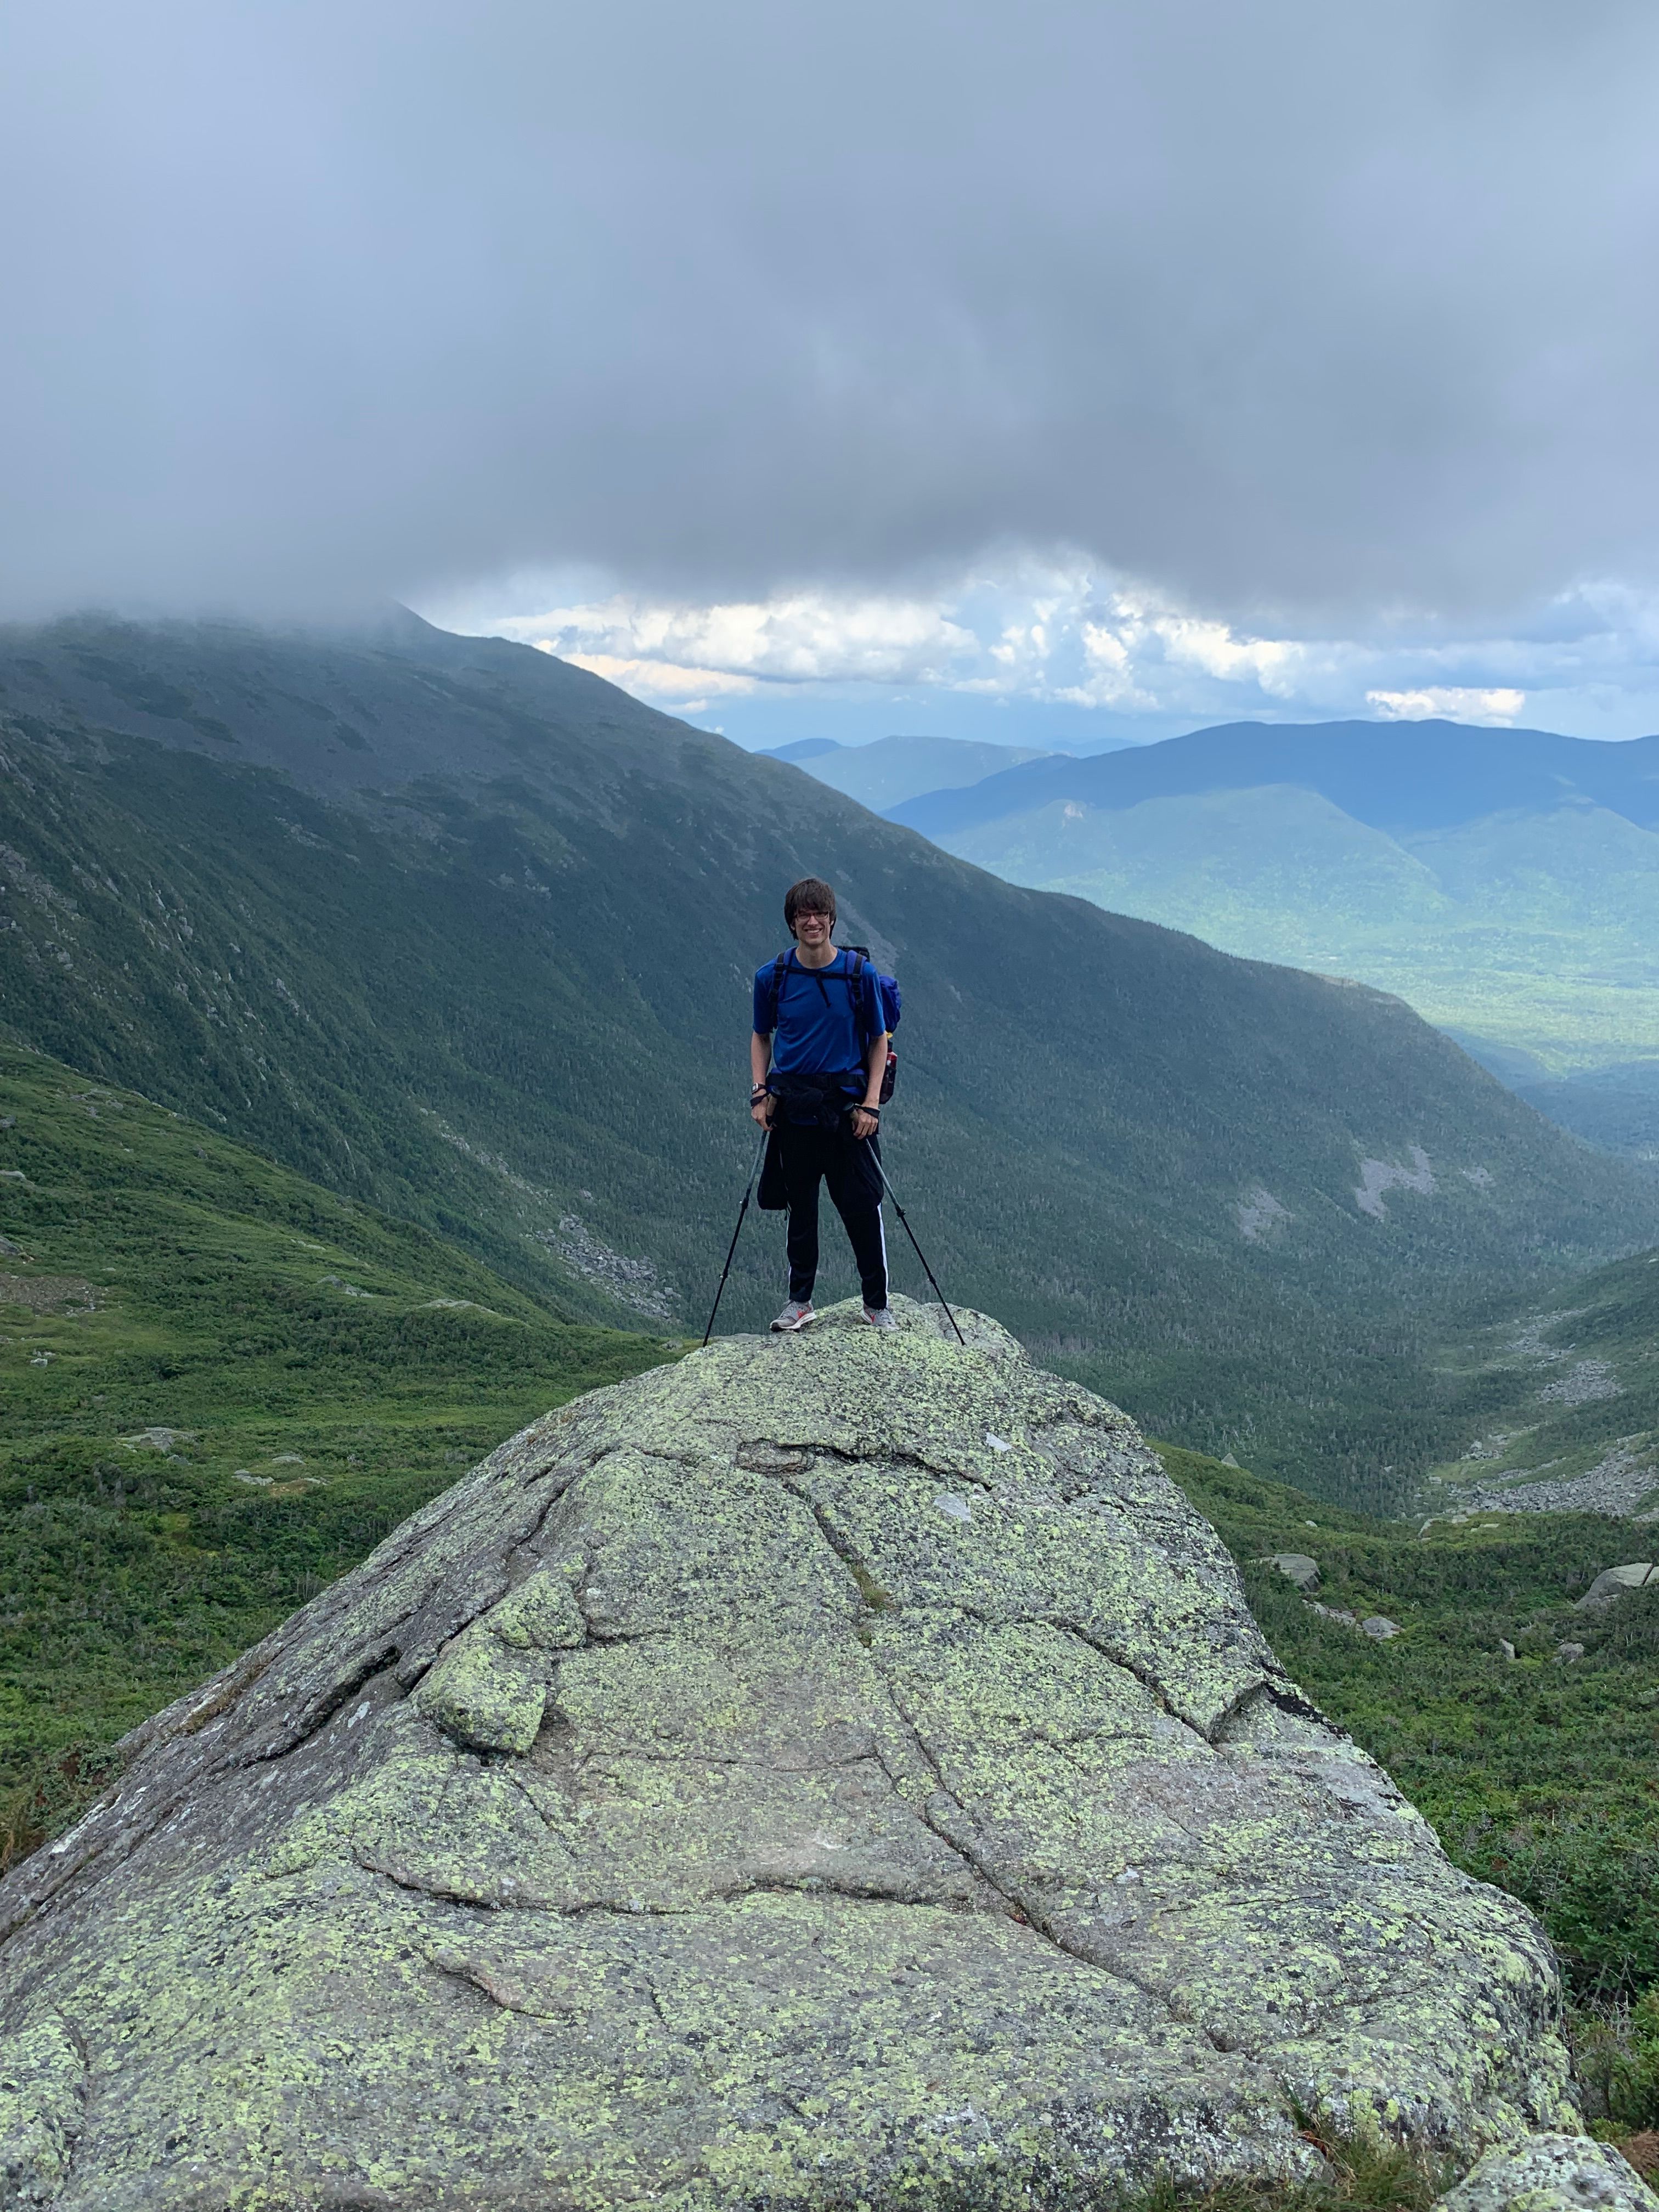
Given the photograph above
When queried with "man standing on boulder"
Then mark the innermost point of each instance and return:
(817, 1056)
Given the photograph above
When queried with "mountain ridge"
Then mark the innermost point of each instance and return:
(1439, 773)
(1505, 884)
(488, 968)
(885, 773)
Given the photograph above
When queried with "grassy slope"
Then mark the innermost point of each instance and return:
(349, 1366)
(455, 1001)
(1535, 932)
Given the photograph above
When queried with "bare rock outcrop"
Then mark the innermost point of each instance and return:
(823, 1768)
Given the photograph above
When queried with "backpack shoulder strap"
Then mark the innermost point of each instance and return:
(857, 962)
(780, 969)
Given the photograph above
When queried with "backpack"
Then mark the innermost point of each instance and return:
(886, 985)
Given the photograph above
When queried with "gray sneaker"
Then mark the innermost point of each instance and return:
(881, 1317)
(796, 1315)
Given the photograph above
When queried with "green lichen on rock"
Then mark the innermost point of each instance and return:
(1552, 2173)
(42, 2085)
(485, 1693)
(541, 1615)
(827, 1771)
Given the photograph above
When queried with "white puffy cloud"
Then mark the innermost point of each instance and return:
(659, 683)
(1057, 632)
(1456, 702)
(800, 637)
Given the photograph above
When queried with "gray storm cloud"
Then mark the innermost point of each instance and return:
(1292, 308)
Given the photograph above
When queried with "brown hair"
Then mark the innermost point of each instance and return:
(811, 895)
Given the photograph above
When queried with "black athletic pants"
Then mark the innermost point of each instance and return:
(810, 1156)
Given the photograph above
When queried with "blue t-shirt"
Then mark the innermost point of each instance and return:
(823, 1020)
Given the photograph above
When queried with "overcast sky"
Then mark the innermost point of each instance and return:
(1133, 364)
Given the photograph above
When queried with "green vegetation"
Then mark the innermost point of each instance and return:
(1367, 2173)
(1505, 883)
(1616, 1107)
(1537, 1773)
(1616, 2045)
(222, 1385)
(465, 935)
(1535, 933)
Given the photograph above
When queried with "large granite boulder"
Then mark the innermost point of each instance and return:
(827, 1768)
(1613, 1583)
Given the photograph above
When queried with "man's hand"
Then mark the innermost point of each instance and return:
(864, 1124)
(760, 1113)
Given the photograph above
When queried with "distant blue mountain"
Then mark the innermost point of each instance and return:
(804, 749)
(893, 769)
(1396, 776)
(1505, 883)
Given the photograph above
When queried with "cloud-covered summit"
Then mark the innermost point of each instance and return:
(1296, 314)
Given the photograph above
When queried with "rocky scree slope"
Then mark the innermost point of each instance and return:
(1564, 1401)
(824, 1767)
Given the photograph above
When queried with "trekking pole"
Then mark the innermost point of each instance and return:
(920, 1254)
(737, 1232)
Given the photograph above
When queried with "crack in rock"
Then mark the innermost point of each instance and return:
(366, 1671)
(1023, 1906)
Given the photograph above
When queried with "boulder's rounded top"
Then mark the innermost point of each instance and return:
(978, 1331)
